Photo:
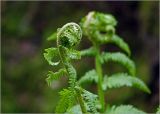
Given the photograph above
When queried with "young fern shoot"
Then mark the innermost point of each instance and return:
(67, 38)
(100, 29)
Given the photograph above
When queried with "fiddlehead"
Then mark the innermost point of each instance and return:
(98, 24)
(100, 29)
(67, 37)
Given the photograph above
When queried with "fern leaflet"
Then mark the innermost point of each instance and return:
(66, 101)
(123, 79)
(49, 54)
(88, 52)
(73, 54)
(120, 58)
(54, 76)
(119, 42)
(90, 100)
(89, 76)
(74, 110)
(124, 109)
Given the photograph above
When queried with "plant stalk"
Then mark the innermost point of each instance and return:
(72, 76)
(80, 100)
(100, 79)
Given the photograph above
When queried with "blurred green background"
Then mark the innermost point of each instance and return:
(25, 27)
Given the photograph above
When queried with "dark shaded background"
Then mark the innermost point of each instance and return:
(25, 27)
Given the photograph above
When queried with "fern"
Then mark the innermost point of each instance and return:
(120, 58)
(123, 109)
(123, 79)
(66, 101)
(73, 54)
(74, 110)
(88, 52)
(90, 99)
(99, 28)
(72, 74)
(49, 54)
(90, 76)
(54, 76)
(119, 42)
(67, 38)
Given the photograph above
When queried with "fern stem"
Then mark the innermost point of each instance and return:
(100, 78)
(72, 80)
(80, 100)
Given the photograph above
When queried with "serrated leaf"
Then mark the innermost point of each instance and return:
(124, 109)
(53, 36)
(88, 52)
(50, 54)
(55, 76)
(90, 100)
(119, 58)
(121, 43)
(74, 110)
(73, 54)
(66, 101)
(123, 79)
(90, 76)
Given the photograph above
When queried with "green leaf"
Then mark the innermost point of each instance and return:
(119, 58)
(66, 101)
(74, 110)
(55, 76)
(119, 42)
(123, 79)
(53, 36)
(90, 100)
(51, 53)
(88, 52)
(124, 109)
(89, 76)
(73, 54)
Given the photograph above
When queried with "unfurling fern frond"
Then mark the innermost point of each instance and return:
(54, 76)
(120, 58)
(123, 79)
(124, 109)
(49, 54)
(89, 52)
(90, 76)
(66, 100)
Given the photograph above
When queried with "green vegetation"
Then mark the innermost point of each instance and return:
(67, 38)
(99, 28)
